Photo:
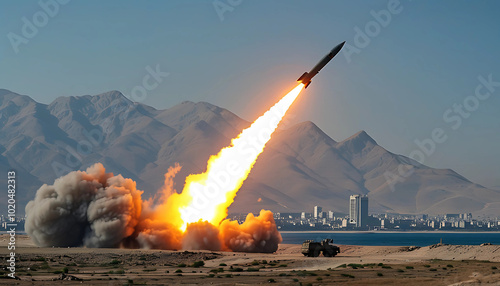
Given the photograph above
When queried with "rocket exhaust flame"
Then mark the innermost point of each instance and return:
(97, 209)
(207, 196)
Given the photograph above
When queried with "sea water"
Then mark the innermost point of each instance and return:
(395, 238)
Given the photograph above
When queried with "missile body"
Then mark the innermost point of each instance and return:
(307, 76)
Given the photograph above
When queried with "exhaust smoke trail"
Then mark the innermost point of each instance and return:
(93, 208)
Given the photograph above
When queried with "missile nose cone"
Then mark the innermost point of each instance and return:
(337, 48)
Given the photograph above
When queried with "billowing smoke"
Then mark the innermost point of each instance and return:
(256, 234)
(93, 208)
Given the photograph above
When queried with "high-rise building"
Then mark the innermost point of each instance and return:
(317, 212)
(358, 210)
(467, 216)
(364, 211)
(344, 223)
(461, 224)
(330, 215)
(303, 215)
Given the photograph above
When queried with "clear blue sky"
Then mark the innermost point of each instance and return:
(397, 88)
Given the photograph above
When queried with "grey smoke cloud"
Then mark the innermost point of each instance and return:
(93, 208)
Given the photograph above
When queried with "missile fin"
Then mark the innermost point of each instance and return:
(302, 76)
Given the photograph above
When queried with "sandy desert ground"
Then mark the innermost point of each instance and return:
(355, 265)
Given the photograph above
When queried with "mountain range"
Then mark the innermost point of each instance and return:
(300, 167)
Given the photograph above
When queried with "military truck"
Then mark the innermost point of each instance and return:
(314, 249)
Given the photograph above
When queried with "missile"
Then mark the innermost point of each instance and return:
(307, 76)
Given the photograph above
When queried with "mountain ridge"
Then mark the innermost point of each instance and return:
(300, 167)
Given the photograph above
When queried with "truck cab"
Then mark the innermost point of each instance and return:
(311, 248)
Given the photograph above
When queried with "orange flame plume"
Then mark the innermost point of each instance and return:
(207, 196)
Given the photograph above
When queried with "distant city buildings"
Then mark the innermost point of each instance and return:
(466, 216)
(317, 219)
(334, 220)
(330, 215)
(317, 212)
(344, 223)
(358, 210)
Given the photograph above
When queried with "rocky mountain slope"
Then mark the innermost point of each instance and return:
(301, 166)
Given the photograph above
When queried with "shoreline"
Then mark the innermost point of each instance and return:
(352, 231)
(389, 232)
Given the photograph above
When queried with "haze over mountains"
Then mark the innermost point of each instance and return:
(300, 167)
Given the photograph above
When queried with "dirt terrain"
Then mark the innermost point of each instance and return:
(355, 265)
